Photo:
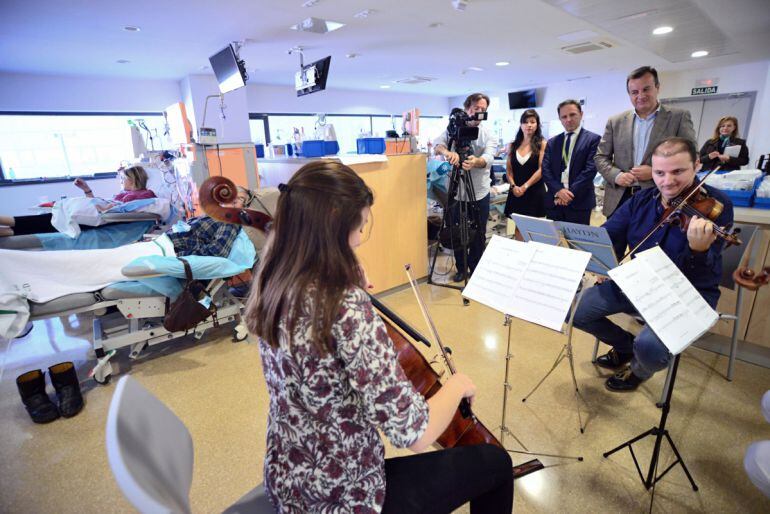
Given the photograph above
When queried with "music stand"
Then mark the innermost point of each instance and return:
(678, 315)
(501, 281)
(593, 240)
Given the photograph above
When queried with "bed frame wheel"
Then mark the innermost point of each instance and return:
(240, 333)
(104, 380)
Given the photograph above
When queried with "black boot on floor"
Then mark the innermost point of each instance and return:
(32, 390)
(614, 360)
(65, 380)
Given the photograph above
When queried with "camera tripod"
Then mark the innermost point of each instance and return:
(458, 222)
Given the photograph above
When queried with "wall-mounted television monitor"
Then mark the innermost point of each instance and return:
(312, 77)
(229, 70)
(522, 99)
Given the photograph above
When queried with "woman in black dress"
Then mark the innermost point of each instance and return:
(525, 156)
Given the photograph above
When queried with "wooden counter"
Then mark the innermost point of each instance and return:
(399, 232)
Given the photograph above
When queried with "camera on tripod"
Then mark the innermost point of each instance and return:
(458, 129)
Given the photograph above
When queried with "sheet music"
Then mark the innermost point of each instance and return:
(546, 290)
(664, 297)
(532, 281)
(537, 229)
(502, 265)
(591, 239)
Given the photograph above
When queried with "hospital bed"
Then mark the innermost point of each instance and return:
(132, 226)
(130, 314)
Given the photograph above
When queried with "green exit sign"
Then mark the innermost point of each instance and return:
(710, 90)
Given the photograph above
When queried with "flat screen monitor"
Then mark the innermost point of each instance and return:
(313, 77)
(227, 70)
(522, 99)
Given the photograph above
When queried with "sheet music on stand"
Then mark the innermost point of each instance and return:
(595, 240)
(667, 301)
(532, 281)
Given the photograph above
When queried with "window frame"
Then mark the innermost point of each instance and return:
(7, 182)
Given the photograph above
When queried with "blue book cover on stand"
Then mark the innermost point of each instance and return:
(595, 240)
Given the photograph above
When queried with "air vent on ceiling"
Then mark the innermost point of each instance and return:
(588, 46)
(415, 80)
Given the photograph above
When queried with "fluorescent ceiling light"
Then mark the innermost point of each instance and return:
(699, 53)
(663, 30)
(122, 61)
(131, 28)
(317, 25)
(502, 63)
(473, 68)
(384, 86)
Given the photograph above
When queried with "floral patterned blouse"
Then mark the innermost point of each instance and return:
(323, 450)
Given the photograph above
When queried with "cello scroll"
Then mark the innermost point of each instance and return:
(217, 191)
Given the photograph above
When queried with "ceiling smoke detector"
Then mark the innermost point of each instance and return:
(317, 25)
(459, 5)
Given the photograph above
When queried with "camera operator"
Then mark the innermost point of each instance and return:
(477, 163)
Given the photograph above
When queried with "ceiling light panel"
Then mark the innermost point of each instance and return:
(665, 29)
(624, 19)
(317, 25)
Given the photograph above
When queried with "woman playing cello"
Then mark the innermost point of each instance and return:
(333, 376)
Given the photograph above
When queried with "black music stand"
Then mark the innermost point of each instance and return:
(659, 432)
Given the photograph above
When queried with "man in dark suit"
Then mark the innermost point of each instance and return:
(569, 168)
(624, 153)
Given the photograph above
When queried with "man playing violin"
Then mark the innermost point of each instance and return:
(696, 252)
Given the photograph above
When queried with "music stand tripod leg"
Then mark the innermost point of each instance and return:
(659, 432)
(506, 386)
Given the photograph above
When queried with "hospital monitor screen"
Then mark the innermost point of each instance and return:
(226, 68)
(522, 99)
(312, 77)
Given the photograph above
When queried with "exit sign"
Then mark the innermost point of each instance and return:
(704, 90)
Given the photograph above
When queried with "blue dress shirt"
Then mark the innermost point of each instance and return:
(635, 218)
(642, 130)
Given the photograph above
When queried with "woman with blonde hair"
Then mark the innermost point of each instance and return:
(133, 185)
(714, 154)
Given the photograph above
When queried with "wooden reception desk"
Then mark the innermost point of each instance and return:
(399, 233)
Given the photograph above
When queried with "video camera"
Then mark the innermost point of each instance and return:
(458, 128)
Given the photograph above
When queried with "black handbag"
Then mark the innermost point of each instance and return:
(186, 312)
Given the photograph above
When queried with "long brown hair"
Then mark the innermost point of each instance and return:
(719, 124)
(308, 253)
(138, 175)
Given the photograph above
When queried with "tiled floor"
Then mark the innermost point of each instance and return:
(215, 386)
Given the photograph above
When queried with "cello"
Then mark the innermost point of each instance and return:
(464, 429)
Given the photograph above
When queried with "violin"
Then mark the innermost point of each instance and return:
(693, 202)
(217, 191)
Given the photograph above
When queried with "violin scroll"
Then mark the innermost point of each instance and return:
(217, 191)
(751, 280)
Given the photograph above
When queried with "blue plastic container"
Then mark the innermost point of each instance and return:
(743, 198)
(371, 145)
(762, 203)
(313, 148)
(260, 151)
(331, 147)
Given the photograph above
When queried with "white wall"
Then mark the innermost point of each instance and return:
(26, 92)
(234, 127)
(267, 98)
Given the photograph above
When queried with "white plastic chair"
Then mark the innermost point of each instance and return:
(151, 455)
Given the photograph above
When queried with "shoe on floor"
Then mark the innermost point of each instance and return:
(32, 390)
(614, 360)
(65, 381)
(458, 277)
(623, 381)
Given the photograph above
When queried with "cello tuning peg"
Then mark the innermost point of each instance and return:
(448, 350)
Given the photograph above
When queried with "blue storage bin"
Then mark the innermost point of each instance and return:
(260, 151)
(313, 148)
(371, 145)
(743, 198)
(331, 147)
